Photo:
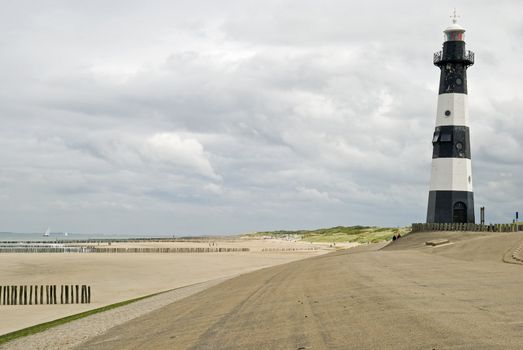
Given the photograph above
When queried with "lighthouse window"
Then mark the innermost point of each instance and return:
(454, 36)
(436, 136)
(447, 113)
(446, 137)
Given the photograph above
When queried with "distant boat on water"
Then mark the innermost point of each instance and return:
(47, 232)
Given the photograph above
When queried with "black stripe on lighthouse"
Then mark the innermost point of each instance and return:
(442, 206)
(451, 141)
(450, 197)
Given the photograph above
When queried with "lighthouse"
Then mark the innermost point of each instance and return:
(451, 199)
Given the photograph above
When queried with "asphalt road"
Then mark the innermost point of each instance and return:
(406, 296)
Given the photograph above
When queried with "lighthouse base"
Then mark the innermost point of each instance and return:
(450, 206)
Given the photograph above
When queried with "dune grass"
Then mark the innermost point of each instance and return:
(360, 234)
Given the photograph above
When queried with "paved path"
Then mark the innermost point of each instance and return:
(406, 296)
(517, 254)
(71, 334)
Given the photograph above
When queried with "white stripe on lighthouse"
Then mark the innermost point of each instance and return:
(457, 104)
(451, 174)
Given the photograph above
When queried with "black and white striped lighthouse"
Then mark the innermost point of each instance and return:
(451, 198)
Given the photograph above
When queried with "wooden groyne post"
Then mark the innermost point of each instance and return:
(34, 294)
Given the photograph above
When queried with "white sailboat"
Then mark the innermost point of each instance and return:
(47, 232)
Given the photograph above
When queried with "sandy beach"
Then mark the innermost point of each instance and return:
(402, 295)
(115, 277)
(407, 295)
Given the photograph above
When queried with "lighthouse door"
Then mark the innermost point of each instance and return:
(460, 212)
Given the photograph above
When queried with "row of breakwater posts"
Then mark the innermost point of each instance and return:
(466, 227)
(202, 239)
(169, 250)
(48, 249)
(288, 249)
(43, 295)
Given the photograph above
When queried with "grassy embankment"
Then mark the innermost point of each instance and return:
(360, 234)
(44, 326)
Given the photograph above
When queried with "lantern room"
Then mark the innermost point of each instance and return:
(454, 32)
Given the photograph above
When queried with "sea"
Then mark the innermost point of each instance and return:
(53, 237)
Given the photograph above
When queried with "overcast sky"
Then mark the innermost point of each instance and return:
(212, 117)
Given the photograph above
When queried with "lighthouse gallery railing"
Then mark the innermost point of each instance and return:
(468, 57)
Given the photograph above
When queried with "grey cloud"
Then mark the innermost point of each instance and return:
(223, 117)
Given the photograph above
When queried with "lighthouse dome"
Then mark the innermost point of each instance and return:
(454, 27)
